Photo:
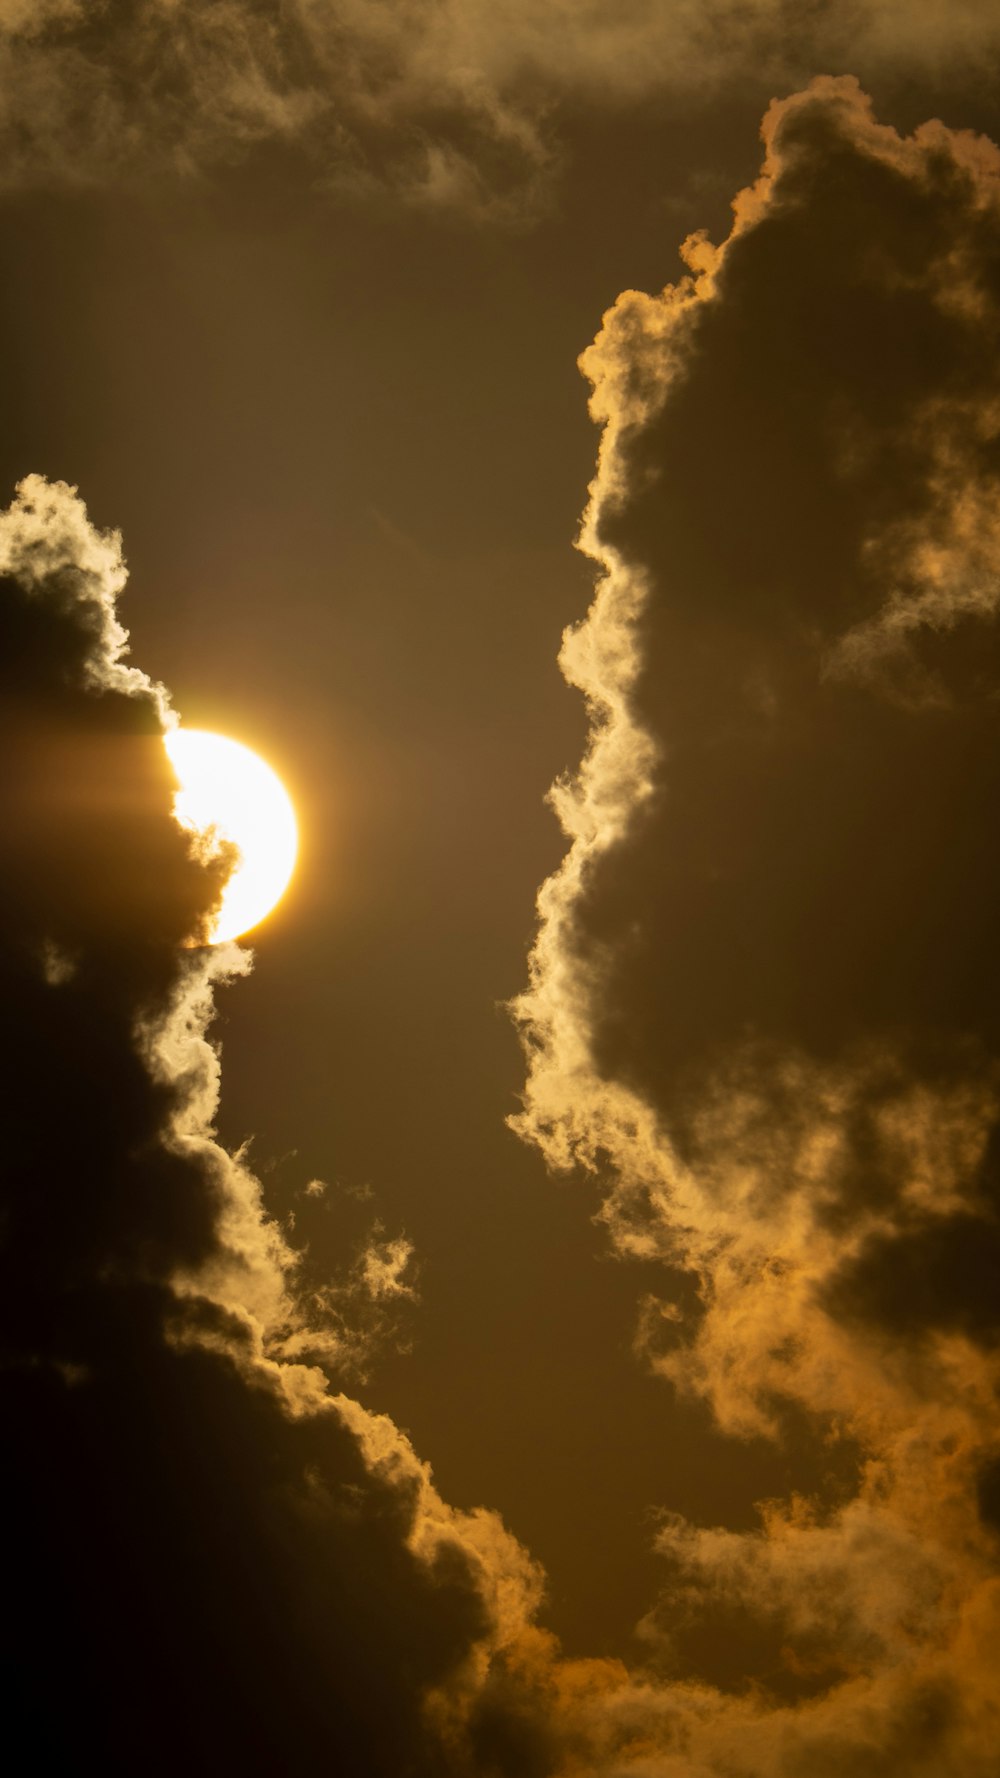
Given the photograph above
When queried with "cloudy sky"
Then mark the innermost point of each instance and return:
(531, 1311)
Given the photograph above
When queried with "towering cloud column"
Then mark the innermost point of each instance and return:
(764, 996)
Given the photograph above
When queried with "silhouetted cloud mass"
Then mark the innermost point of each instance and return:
(764, 992)
(214, 1562)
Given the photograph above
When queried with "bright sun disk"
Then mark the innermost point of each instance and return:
(227, 791)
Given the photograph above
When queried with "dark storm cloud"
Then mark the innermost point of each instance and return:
(213, 1561)
(765, 988)
(448, 103)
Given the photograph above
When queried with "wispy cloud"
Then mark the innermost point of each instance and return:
(448, 104)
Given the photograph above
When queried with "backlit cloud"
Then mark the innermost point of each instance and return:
(763, 1002)
(216, 1556)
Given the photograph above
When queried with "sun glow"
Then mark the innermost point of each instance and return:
(226, 792)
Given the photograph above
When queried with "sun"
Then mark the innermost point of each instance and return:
(227, 791)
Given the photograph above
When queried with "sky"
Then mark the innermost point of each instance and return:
(531, 1310)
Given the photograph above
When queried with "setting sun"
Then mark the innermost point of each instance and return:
(227, 792)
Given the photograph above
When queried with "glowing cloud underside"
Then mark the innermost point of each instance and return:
(228, 793)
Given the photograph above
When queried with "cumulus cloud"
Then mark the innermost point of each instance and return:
(763, 995)
(447, 103)
(217, 1559)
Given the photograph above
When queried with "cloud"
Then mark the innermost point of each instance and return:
(762, 1006)
(448, 104)
(214, 1554)
(763, 996)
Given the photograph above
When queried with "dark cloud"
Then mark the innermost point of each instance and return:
(447, 103)
(943, 1274)
(765, 987)
(790, 525)
(214, 1562)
